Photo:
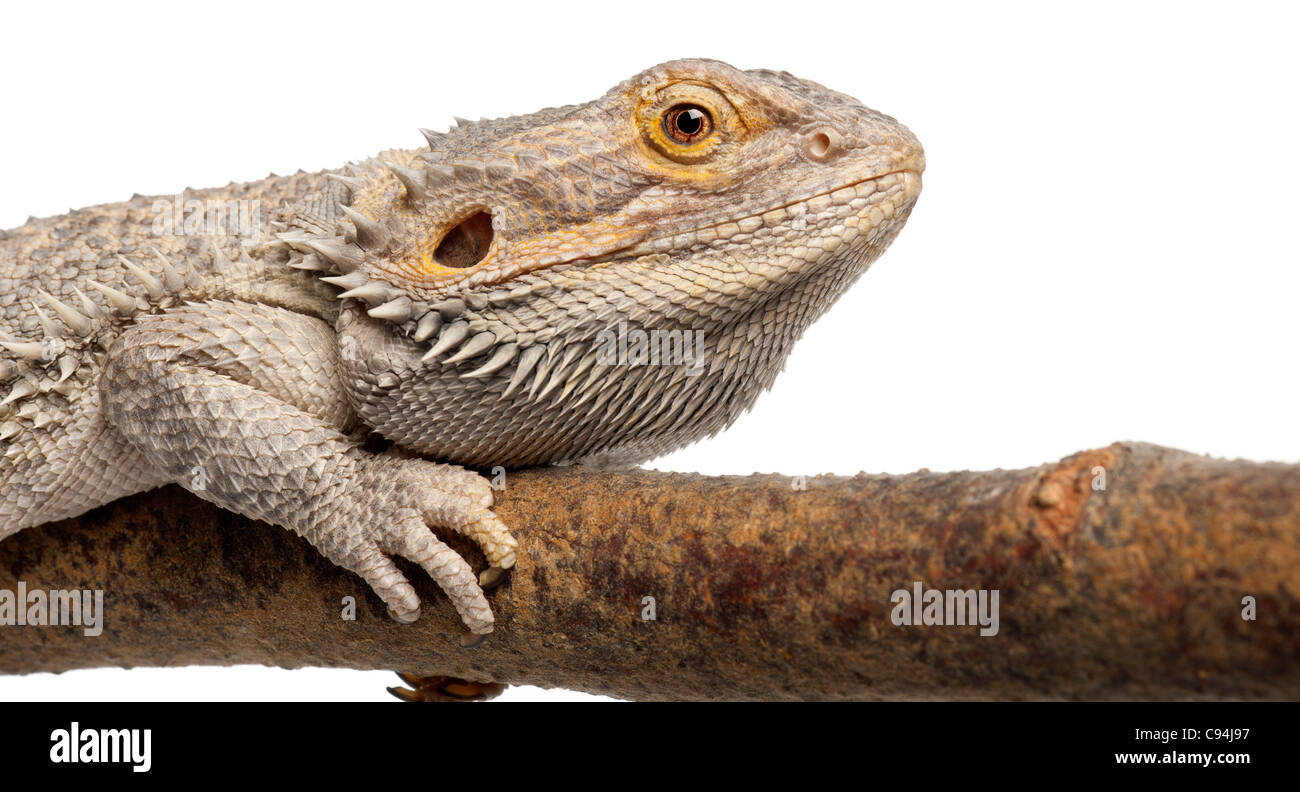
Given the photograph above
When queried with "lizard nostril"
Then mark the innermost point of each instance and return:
(820, 145)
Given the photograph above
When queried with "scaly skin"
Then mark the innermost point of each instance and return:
(481, 279)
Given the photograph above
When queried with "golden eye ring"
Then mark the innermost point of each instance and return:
(686, 124)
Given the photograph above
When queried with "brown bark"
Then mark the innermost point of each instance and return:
(762, 590)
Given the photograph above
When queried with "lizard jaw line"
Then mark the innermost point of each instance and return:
(827, 192)
(911, 184)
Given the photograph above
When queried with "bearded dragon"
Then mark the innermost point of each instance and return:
(453, 299)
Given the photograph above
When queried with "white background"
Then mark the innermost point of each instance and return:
(1104, 249)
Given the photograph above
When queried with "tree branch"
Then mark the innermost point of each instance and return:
(761, 590)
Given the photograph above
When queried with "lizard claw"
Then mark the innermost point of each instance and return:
(471, 640)
(491, 577)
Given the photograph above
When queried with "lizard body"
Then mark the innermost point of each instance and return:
(459, 300)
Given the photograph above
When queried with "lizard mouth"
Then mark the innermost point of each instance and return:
(847, 193)
(861, 195)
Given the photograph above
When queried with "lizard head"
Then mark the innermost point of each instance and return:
(613, 279)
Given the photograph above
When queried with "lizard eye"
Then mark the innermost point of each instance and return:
(687, 123)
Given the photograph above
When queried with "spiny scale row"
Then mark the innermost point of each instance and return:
(418, 182)
(388, 303)
(442, 319)
(84, 321)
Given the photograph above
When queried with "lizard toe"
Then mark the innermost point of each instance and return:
(391, 585)
(451, 572)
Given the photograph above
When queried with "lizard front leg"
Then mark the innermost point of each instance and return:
(243, 405)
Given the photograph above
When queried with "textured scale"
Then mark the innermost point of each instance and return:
(456, 299)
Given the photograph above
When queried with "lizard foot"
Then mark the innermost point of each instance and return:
(444, 688)
(400, 501)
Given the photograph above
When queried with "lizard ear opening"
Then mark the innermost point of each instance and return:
(466, 244)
